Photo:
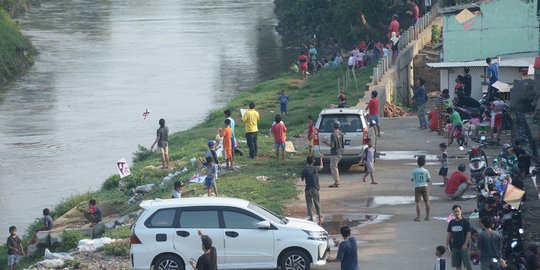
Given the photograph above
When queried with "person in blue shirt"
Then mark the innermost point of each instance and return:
(492, 74)
(283, 100)
(347, 251)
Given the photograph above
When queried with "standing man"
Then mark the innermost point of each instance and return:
(393, 26)
(250, 120)
(162, 140)
(415, 15)
(278, 130)
(373, 108)
(489, 245)
(457, 238)
(492, 74)
(207, 261)
(227, 114)
(347, 250)
(467, 82)
(310, 174)
(420, 98)
(336, 150)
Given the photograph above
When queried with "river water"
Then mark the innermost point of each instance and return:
(65, 123)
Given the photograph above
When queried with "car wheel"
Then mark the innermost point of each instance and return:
(295, 260)
(169, 262)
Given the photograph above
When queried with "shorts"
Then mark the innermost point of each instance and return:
(498, 120)
(303, 67)
(208, 182)
(370, 167)
(283, 107)
(421, 192)
(13, 259)
(279, 145)
(163, 144)
(374, 118)
(443, 171)
(460, 256)
(458, 128)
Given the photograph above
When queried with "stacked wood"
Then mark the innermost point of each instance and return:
(391, 110)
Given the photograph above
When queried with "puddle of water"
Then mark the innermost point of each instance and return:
(427, 163)
(407, 155)
(395, 200)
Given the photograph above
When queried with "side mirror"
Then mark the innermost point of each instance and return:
(264, 225)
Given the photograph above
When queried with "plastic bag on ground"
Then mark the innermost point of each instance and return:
(88, 245)
(56, 255)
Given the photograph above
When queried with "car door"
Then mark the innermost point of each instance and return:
(244, 242)
(188, 243)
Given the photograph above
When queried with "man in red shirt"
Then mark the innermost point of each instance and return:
(458, 183)
(303, 64)
(279, 129)
(373, 108)
(394, 26)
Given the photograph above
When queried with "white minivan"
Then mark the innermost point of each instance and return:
(245, 235)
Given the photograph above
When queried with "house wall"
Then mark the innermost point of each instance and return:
(502, 27)
(448, 76)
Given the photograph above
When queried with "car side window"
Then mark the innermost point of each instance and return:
(162, 219)
(199, 219)
(236, 220)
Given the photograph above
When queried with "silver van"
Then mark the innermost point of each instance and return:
(355, 127)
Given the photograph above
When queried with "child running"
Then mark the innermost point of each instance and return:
(211, 176)
(443, 158)
(421, 177)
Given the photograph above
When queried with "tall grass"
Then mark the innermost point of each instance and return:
(16, 51)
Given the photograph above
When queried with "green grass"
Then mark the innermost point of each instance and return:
(306, 98)
(16, 51)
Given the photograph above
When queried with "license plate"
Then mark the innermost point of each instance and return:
(347, 142)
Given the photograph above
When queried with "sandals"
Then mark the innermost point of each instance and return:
(333, 186)
(417, 219)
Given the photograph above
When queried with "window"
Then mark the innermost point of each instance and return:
(235, 220)
(349, 122)
(199, 219)
(163, 218)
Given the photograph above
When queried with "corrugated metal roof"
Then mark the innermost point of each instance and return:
(512, 62)
(458, 8)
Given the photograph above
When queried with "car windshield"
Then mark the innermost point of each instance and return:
(268, 214)
(349, 122)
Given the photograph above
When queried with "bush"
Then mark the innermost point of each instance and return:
(120, 232)
(72, 263)
(111, 182)
(70, 240)
(117, 248)
(143, 154)
(435, 34)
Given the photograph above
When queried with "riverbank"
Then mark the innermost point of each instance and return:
(305, 98)
(16, 50)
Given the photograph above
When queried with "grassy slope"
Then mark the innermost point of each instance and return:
(16, 51)
(305, 98)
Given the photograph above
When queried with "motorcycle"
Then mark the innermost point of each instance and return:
(477, 166)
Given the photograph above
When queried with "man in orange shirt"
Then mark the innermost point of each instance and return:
(227, 143)
(279, 129)
(373, 108)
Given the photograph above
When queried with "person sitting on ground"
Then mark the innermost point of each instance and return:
(47, 224)
(458, 183)
(93, 213)
(178, 192)
(207, 261)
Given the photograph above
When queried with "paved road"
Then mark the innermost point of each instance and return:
(388, 238)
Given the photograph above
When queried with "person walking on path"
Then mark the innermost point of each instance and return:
(441, 103)
(457, 238)
(162, 140)
(310, 133)
(250, 120)
(336, 150)
(489, 245)
(227, 114)
(458, 183)
(420, 98)
(278, 130)
(393, 26)
(492, 74)
(310, 174)
(420, 176)
(369, 159)
(347, 251)
(227, 144)
(373, 108)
